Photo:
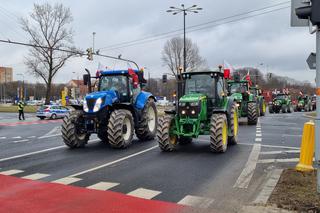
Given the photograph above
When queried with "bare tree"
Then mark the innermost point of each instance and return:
(172, 55)
(48, 26)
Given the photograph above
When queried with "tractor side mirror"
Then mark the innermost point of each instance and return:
(86, 79)
(164, 78)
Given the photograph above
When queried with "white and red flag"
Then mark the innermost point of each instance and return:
(228, 69)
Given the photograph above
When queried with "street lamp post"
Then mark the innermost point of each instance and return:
(23, 87)
(175, 11)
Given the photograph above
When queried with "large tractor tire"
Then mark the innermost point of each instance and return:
(283, 108)
(252, 113)
(289, 109)
(184, 140)
(120, 128)
(234, 126)
(147, 128)
(218, 133)
(70, 131)
(167, 142)
(271, 110)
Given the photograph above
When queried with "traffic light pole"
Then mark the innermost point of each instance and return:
(317, 120)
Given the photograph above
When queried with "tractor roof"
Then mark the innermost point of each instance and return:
(117, 72)
(214, 73)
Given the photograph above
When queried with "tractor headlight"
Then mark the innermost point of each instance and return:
(183, 112)
(193, 112)
(97, 105)
(85, 106)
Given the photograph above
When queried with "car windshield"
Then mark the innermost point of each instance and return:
(200, 84)
(281, 97)
(238, 87)
(118, 83)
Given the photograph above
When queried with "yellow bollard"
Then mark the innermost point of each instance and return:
(307, 148)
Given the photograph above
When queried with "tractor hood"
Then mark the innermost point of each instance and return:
(278, 101)
(194, 97)
(91, 103)
(237, 96)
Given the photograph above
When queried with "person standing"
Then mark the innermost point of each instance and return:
(20, 108)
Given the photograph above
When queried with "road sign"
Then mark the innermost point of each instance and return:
(311, 61)
(295, 21)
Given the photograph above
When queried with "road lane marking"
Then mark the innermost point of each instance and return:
(258, 131)
(37, 152)
(268, 188)
(114, 162)
(20, 141)
(36, 176)
(11, 172)
(31, 137)
(49, 136)
(286, 160)
(284, 147)
(258, 139)
(103, 186)
(17, 137)
(279, 152)
(196, 201)
(3, 138)
(288, 135)
(247, 173)
(144, 193)
(258, 135)
(67, 180)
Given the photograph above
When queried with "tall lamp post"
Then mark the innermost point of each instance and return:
(23, 87)
(184, 10)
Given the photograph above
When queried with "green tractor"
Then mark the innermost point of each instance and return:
(281, 102)
(304, 103)
(246, 101)
(260, 100)
(203, 109)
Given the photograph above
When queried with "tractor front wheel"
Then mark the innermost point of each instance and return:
(283, 108)
(70, 130)
(147, 128)
(234, 125)
(120, 129)
(218, 133)
(167, 141)
(252, 114)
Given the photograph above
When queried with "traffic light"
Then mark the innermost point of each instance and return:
(90, 54)
(164, 79)
(310, 11)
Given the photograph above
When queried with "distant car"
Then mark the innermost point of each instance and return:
(52, 112)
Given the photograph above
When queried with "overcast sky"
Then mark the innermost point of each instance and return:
(266, 39)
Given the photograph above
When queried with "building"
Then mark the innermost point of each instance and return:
(6, 74)
(80, 89)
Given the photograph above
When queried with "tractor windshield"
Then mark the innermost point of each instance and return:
(281, 97)
(114, 82)
(238, 87)
(200, 84)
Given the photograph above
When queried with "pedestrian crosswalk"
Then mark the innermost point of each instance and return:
(145, 193)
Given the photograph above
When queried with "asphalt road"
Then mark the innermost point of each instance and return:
(192, 175)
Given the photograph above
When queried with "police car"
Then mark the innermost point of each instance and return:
(52, 111)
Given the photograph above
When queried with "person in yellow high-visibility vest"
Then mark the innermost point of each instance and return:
(20, 109)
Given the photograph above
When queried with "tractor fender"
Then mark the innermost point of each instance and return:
(77, 107)
(226, 109)
(142, 98)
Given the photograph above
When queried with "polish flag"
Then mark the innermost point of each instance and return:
(248, 78)
(228, 69)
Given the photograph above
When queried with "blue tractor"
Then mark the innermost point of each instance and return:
(117, 109)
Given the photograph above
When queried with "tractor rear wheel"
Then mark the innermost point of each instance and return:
(252, 113)
(147, 128)
(218, 133)
(167, 142)
(70, 131)
(234, 126)
(120, 128)
(271, 110)
(283, 108)
(185, 140)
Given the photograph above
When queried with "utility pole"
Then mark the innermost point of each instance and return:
(93, 37)
(317, 120)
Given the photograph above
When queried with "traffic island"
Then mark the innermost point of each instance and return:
(296, 191)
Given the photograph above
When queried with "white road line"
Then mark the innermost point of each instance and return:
(37, 152)
(11, 172)
(114, 162)
(195, 201)
(283, 147)
(3, 138)
(51, 132)
(264, 195)
(17, 137)
(258, 135)
(247, 173)
(49, 136)
(36, 176)
(31, 137)
(279, 152)
(20, 141)
(144, 193)
(103, 186)
(287, 135)
(286, 160)
(258, 131)
(67, 180)
(258, 139)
